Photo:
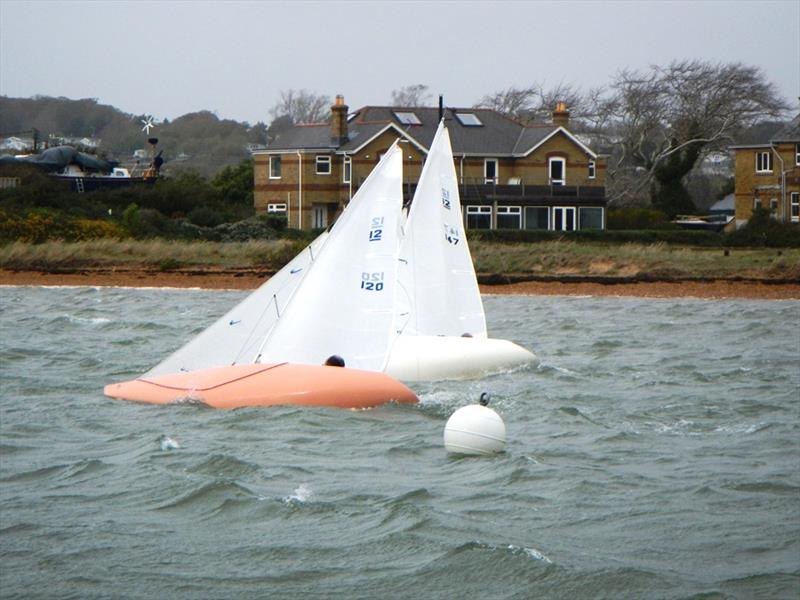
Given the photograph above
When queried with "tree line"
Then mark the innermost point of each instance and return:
(656, 125)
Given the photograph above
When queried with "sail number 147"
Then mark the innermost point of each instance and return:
(372, 281)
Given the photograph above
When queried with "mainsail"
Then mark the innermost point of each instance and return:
(238, 336)
(439, 291)
(345, 303)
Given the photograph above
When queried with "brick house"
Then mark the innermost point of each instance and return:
(511, 176)
(768, 176)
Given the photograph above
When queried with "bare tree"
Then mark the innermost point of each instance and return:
(667, 119)
(535, 103)
(512, 102)
(301, 106)
(411, 95)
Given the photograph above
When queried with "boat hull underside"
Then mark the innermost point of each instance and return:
(266, 385)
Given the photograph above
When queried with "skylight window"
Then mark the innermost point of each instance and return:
(469, 119)
(408, 118)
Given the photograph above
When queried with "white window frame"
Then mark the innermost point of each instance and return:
(347, 169)
(277, 207)
(273, 160)
(592, 169)
(550, 162)
(773, 208)
(764, 162)
(323, 164)
(510, 211)
(756, 203)
(496, 163)
(795, 207)
(797, 155)
(480, 211)
(565, 210)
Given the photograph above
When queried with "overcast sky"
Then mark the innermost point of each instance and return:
(170, 58)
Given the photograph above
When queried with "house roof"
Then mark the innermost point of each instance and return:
(726, 204)
(766, 134)
(495, 135)
(790, 133)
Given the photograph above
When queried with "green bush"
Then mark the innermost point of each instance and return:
(668, 236)
(205, 216)
(764, 231)
(637, 218)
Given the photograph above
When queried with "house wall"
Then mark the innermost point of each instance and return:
(316, 188)
(765, 189)
(332, 191)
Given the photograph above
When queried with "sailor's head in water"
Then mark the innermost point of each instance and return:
(334, 360)
(466, 335)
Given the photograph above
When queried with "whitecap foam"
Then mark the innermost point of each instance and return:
(301, 494)
(167, 443)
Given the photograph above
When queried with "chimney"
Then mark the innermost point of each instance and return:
(561, 115)
(441, 107)
(339, 121)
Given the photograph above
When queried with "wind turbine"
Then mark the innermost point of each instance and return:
(148, 125)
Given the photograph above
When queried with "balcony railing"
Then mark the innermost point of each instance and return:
(477, 191)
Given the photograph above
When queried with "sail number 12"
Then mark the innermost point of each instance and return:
(372, 281)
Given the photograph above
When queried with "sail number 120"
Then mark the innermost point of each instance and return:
(372, 281)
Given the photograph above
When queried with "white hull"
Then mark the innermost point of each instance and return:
(435, 358)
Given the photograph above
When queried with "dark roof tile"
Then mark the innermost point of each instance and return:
(496, 136)
(790, 133)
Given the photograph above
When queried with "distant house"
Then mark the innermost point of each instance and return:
(768, 176)
(511, 176)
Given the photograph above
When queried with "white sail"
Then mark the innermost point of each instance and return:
(345, 303)
(238, 336)
(439, 292)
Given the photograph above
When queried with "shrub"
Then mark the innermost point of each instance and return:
(205, 216)
(637, 218)
(762, 230)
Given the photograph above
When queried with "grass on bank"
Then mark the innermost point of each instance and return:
(164, 254)
(548, 258)
(660, 260)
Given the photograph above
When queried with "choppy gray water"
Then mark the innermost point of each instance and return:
(654, 453)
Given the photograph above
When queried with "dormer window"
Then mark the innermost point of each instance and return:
(469, 119)
(407, 118)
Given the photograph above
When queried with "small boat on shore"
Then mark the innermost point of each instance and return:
(85, 172)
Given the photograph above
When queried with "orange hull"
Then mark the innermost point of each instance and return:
(267, 385)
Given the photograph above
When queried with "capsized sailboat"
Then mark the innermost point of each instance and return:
(440, 317)
(237, 386)
(270, 348)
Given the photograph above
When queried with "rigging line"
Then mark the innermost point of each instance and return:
(277, 308)
(244, 345)
(278, 313)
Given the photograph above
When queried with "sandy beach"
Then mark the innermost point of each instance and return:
(247, 279)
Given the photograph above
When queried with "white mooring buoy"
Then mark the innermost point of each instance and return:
(475, 429)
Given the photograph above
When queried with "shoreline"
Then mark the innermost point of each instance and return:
(250, 279)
